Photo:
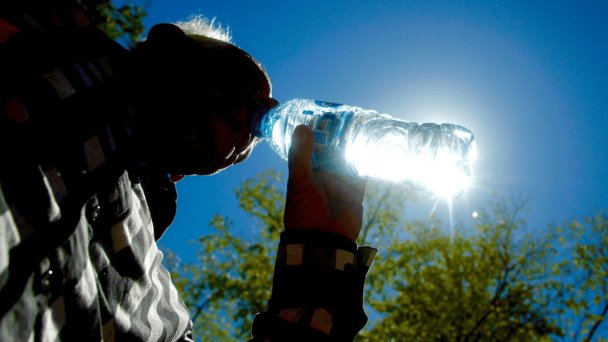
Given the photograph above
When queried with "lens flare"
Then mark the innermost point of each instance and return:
(442, 172)
(444, 175)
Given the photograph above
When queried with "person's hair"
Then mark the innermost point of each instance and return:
(188, 53)
(198, 27)
(202, 26)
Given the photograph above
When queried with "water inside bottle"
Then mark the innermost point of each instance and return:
(368, 144)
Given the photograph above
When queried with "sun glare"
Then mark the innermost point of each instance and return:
(442, 173)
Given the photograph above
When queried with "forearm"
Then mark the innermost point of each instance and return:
(317, 289)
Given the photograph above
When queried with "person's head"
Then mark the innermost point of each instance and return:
(195, 98)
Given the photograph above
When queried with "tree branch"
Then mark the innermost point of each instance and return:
(499, 290)
(372, 220)
(200, 308)
(597, 324)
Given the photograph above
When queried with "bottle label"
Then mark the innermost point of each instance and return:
(327, 104)
(328, 132)
(324, 127)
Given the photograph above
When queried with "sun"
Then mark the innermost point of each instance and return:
(445, 171)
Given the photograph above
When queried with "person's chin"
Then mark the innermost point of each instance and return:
(196, 166)
(213, 172)
(214, 169)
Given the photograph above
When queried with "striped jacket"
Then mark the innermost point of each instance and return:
(78, 256)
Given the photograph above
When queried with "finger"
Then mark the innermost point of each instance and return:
(344, 188)
(300, 154)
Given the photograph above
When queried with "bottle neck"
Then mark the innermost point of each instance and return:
(258, 117)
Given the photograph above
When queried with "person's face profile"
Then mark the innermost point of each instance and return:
(206, 93)
(215, 132)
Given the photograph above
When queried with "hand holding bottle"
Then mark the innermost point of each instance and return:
(318, 199)
(364, 143)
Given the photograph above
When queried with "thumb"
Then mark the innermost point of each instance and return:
(300, 154)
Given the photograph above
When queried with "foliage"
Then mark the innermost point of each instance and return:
(584, 271)
(232, 279)
(434, 286)
(121, 20)
(493, 281)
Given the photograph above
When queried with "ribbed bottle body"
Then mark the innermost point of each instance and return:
(366, 143)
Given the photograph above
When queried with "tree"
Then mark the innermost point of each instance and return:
(232, 279)
(584, 274)
(121, 20)
(485, 285)
(492, 281)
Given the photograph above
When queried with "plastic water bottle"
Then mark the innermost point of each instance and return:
(365, 143)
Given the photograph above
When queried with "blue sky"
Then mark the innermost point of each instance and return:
(529, 78)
